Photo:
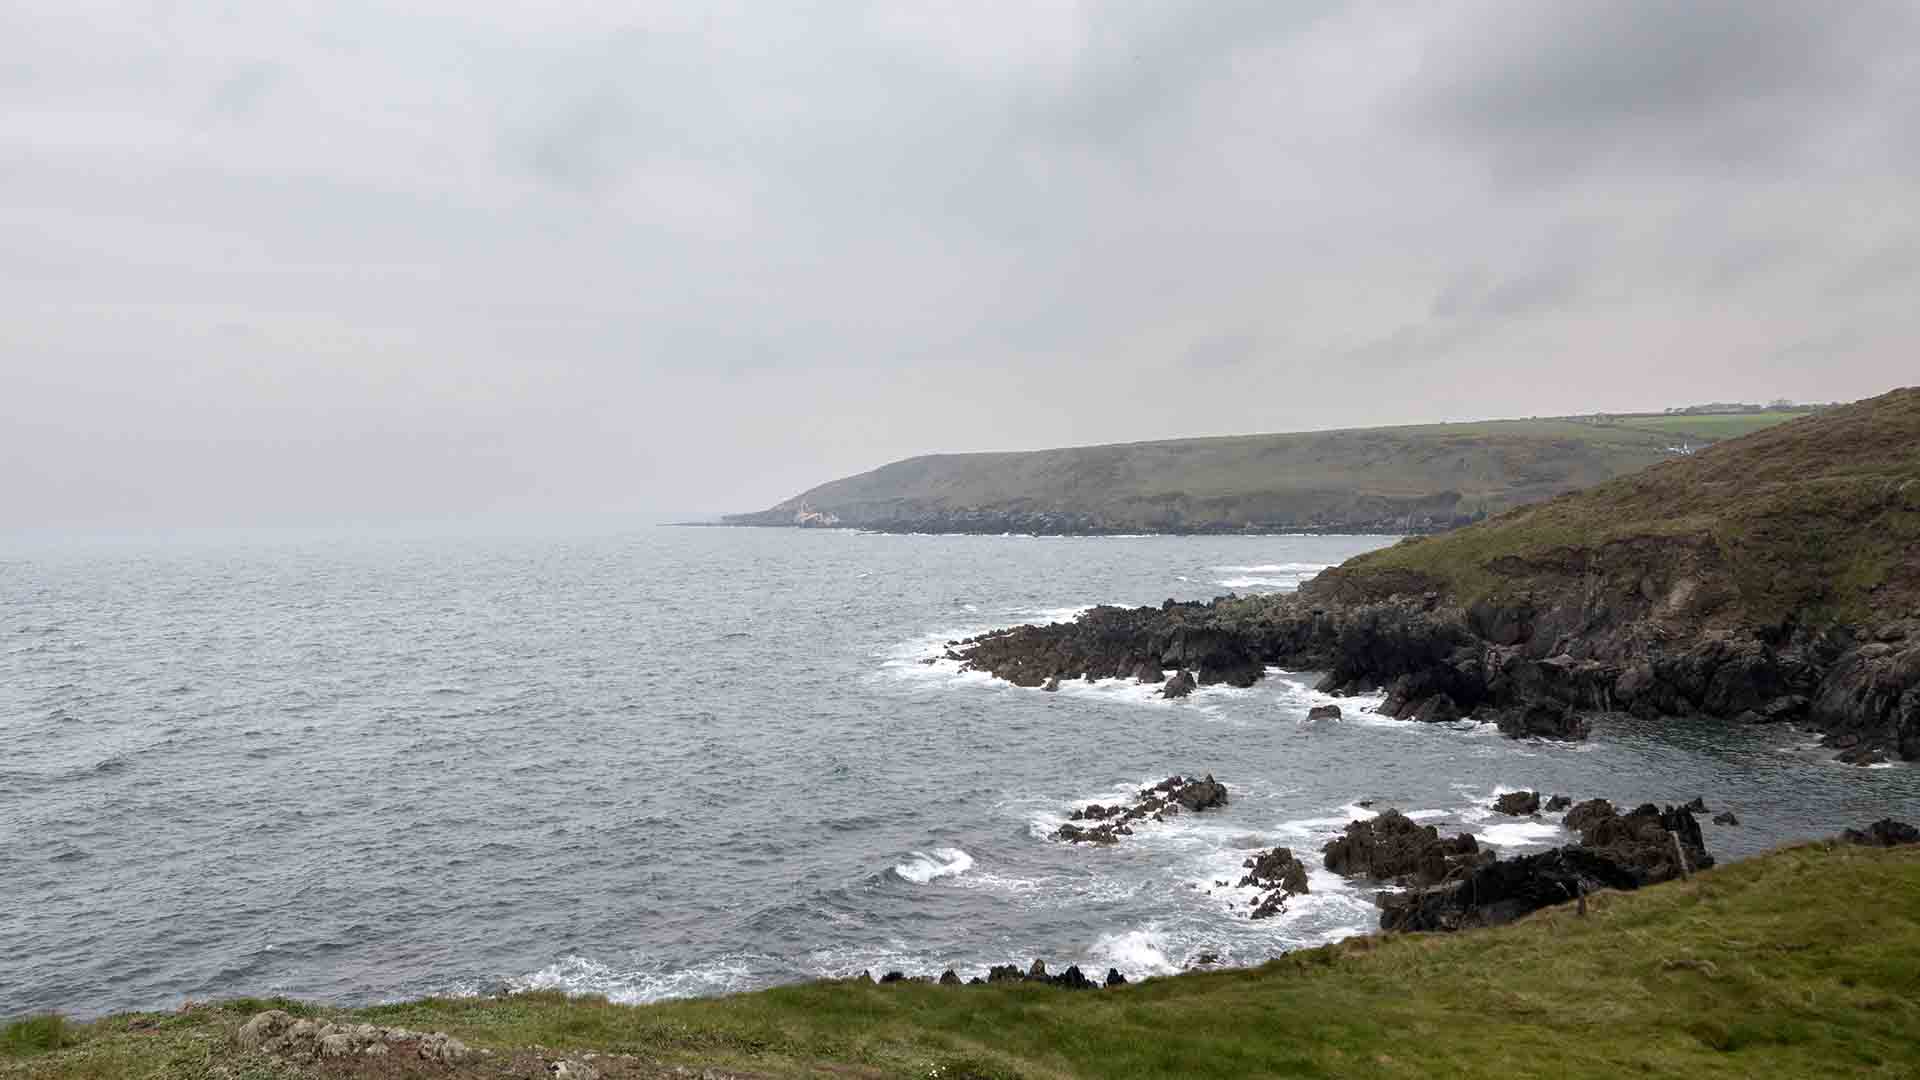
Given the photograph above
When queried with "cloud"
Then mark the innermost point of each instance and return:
(691, 257)
(1549, 91)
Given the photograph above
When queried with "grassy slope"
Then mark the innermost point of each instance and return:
(1491, 465)
(1805, 962)
(1818, 518)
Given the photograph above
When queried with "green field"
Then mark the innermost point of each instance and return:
(1708, 428)
(1805, 962)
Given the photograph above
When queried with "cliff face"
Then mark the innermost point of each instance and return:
(1773, 578)
(1414, 479)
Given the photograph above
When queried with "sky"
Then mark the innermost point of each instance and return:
(296, 261)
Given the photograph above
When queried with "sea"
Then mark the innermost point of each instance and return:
(650, 763)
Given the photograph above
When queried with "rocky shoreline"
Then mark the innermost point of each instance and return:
(1535, 670)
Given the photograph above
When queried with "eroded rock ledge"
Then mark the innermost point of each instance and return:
(1536, 672)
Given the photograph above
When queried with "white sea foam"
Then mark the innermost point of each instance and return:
(575, 974)
(1135, 952)
(1275, 568)
(922, 867)
(1519, 833)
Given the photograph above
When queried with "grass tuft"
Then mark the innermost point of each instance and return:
(36, 1035)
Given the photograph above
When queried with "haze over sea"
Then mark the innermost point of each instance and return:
(667, 762)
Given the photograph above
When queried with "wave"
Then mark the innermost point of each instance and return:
(922, 867)
(575, 975)
(1274, 568)
(1135, 952)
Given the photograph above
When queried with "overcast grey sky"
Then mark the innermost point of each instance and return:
(268, 261)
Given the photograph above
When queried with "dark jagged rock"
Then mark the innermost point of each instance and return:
(1278, 874)
(1643, 842)
(1697, 805)
(1586, 813)
(1324, 712)
(1276, 869)
(1074, 979)
(1038, 972)
(1557, 804)
(1540, 720)
(1725, 817)
(949, 978)
(1181, 685)
(894, 977)
(1438, 709)
(1000, 973)
(1883, 833)
(1200, 794)
(1114, 978)
(1517, 803)
(1616, 851)
(1169, 796)
(1393, 847)
(1053, 685)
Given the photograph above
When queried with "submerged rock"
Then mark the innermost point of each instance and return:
(1883, 833)
(1324, 712)
(1725, 817)
(1558, 803)
(1170, 796)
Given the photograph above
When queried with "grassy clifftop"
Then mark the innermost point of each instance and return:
(1804, 962)
(1814, 520)
(1371, 478)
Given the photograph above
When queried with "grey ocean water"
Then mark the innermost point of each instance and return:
(685, 761)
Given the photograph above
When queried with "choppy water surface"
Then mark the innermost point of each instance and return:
(684, 761)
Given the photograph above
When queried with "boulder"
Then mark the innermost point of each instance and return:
(1181, 685)
(1324, 712)
(1725, 817)
(1201, 794)
(1517, 803)
(1053, 685)
(1114, 978)
(1697, 805)
(1000, 973)
(949, 978)
(1557, 804)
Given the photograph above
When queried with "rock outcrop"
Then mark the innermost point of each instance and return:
(279, 1034)
(1170, 796)
(1616, 851)
(1278, 874)
(1392, 847)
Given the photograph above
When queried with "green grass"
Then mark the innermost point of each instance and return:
(1812, 520)
(34, 1035)
(1804, 962)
